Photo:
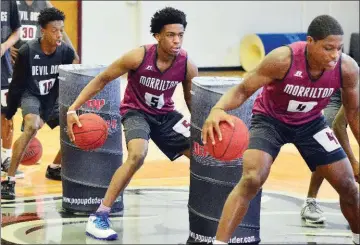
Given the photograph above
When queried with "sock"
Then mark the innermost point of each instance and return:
(11, 178)
(102, 208)
(55, 166)
(356, 238)
(219, 242)
(5, 153)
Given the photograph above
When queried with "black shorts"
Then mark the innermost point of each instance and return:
(315, 140)
(170, 132)
(42, 106)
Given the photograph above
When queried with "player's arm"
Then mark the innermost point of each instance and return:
(66, 38)
(191, 72)
(15, 27)
(129, 61)
(17, 85)
(273, 67)
(350, 93)
(339, 128)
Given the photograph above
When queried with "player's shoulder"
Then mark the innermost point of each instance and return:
(135, 57)
(276, 63)
(349, 71)
(348, 64)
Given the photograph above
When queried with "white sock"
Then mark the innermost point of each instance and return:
(55, 166)
(5, 153)
(356, 238)
(11, 178)
(218, 242)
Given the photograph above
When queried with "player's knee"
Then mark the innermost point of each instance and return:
(31, 124)
(251, 182)
(137, 157)
(350, 192)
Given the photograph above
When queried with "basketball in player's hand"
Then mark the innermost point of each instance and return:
(33, 152)
(92, 134)
(235, 141)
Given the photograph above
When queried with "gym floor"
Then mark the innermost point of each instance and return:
(156, 200)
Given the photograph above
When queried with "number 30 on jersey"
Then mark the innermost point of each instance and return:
(154, 100)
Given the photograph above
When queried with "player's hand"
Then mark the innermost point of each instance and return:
(355, 167)
(14, 53)
(9, 127)
(216, 116)
(3, 49)
(72, 119)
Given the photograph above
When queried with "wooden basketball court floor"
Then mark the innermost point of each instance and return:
(39, 200)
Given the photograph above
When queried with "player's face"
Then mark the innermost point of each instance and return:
(170, 38)
(53, 32)
(327, 52)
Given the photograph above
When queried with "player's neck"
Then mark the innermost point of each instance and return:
(164, 57)
(29, 2)
(313, 66)
(47, 48)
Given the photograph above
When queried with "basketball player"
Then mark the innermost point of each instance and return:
(35, 86)
(10, 32)
(29, 11)
(297, 82)
(147, 108)
(311, 211)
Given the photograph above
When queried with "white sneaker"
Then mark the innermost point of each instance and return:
(312, 213)
(98, 227)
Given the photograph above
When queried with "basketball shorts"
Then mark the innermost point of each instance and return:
(314, 140)
(6, 74)
(170, 132)
(332, 108)
(40, 105)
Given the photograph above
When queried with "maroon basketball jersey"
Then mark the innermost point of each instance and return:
(298, 99)
(151, 90)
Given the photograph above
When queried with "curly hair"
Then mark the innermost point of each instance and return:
(50, 14)
(323, 26)
(166, 16)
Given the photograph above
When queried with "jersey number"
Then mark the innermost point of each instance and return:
(46, 85)
(4, 93)
(154, 100)
(299, 106)
(28, 32)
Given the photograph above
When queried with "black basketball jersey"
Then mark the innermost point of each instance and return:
(28, 17)
(43, 69)
(36, 72)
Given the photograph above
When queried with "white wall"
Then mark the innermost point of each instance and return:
(214, 28)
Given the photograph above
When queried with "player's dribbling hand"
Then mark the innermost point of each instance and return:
(72, 119)
(216, 116)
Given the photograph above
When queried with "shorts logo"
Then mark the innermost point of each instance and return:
(327, 139)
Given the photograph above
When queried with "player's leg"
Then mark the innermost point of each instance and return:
(311, 211)
(51, 116)
(137, 131)
(267, 135)
(171, 133)
(30, 106)
(321, 150)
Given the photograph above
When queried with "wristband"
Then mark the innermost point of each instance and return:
(70, 112)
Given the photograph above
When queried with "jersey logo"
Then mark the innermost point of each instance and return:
(298, 74)
(36, 57)
(149, 68)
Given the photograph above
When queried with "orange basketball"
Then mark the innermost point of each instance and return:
(33, 153)
(92, 134)
(235, 141)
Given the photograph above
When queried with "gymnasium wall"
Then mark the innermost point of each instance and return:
(214, 28)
